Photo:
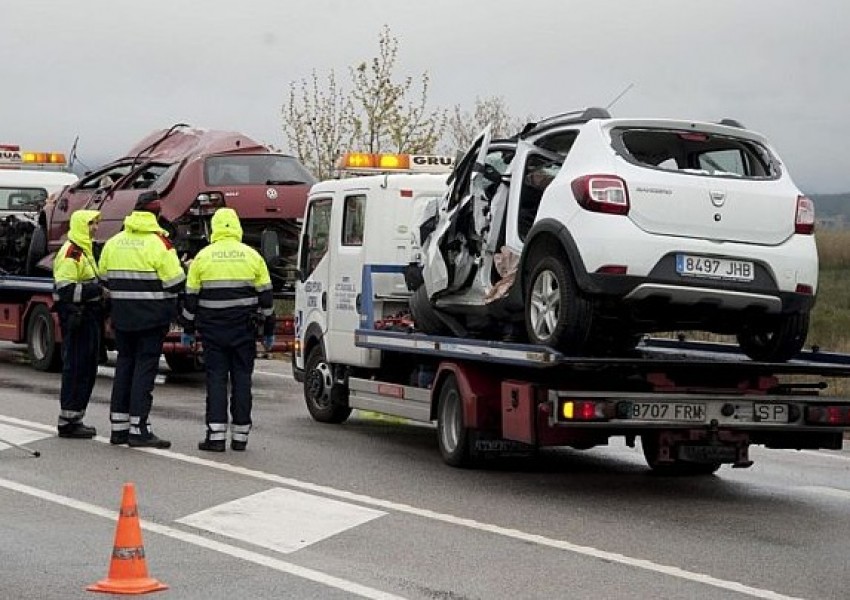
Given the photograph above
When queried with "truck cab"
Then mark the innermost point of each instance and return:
(350, 223)
(28, 182)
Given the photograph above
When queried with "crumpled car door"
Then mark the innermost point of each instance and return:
(450, 251)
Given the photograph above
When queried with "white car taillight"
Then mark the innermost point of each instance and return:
(602, 193)
(804, 221)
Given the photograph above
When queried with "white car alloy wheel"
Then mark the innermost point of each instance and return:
(545, 305)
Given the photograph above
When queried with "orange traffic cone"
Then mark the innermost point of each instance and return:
(128, 572)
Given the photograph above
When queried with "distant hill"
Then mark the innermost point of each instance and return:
(832, 210)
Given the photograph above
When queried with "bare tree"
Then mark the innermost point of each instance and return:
(319, 123)
(463, 125)
(379, 114)
(387, 118)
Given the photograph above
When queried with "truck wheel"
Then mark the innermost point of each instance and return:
(424, 315)
(453, 436)
(45, 354)
(777, 340)
(327, 401)
(36, 250)
(649, 443)
(555, 312)
(181, 363)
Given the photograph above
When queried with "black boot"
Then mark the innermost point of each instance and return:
(147, 441)
(119, 438)
(209, 445)
(238, 446)
(77, 430)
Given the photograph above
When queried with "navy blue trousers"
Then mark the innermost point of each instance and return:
(80, 343)
(135, 375)
(229, 358)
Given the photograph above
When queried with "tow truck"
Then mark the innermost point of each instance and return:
(693, 406)
(192, 172)
(28, 181)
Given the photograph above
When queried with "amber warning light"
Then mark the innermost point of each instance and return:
(11, 156)
(367, 162)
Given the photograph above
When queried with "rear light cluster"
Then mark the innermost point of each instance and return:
(602, 193)
(582, 410)
(207, 203)
(804, 221)
(828, 415)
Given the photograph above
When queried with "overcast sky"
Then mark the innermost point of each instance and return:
(111, 71)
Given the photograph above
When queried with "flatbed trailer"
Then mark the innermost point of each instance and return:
(694, 406)
(27, 317)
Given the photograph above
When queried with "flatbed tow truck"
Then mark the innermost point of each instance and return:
(694, 406)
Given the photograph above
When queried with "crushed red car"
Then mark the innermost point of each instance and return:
(191, 172)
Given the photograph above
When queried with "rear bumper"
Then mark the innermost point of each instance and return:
(700, 295)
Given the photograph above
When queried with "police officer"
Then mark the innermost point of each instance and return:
(78, 294)
(227, 289)
(144, 276)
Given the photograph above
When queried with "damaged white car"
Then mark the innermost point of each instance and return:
(584, 232)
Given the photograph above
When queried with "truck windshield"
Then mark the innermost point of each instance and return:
(22, 199)
(255, 169)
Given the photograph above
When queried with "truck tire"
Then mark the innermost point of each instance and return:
(678, 468)
(455, 439)
(777, 340)
(45, 354)
(425, 316)
(36, 251)
(326, 400)
(182, 363)
(556, 314)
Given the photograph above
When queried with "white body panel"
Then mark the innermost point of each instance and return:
(390, 201)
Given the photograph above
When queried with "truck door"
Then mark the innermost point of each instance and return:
(312, 298)
(345, 285)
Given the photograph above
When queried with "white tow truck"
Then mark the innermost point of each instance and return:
(694, 407)
(28, 180)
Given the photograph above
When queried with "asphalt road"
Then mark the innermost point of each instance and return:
(368, 509)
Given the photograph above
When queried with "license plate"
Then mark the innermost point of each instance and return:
(770, 413)
(691, 412)
(710, 267)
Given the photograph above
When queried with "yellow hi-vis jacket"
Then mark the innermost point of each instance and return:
(228, 283)
(144, 276)
(74, 268)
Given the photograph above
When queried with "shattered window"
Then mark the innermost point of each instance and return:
(696, 152)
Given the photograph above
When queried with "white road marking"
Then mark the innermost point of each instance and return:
(197, 540)
(20, 436)
(515, 534)
(826, 491)
(280, 519)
